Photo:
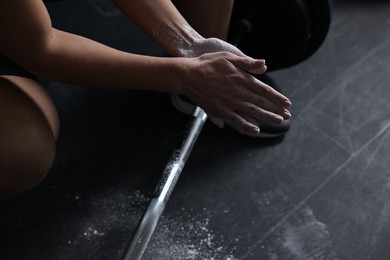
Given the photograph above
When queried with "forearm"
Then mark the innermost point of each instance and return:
(161, 20)
(77, 60)
(32, 43)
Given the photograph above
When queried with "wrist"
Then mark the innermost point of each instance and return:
(184, 43)
(178, 71)
(183, 80)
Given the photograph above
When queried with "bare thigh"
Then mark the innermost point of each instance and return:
(28, 131)
(39, 96)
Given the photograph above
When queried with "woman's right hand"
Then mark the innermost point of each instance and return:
(221, 84)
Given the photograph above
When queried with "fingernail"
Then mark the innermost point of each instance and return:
(287, 113)
(260, 62)
(256, 130)
(279, 118)
(287, 103)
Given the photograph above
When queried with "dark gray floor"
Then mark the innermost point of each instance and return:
(322, 192)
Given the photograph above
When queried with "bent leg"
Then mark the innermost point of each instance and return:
(28, 131)
(209, 18)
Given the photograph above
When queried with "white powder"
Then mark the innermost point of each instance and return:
(90, 232)
(304, 237)
(111, 215)
(188, 236)
(185, 234)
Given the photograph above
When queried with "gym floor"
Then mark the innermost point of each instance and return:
(321, 192)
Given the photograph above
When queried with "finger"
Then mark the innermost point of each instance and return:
(269, 106)
(257, 86)
(254, 122)
(264, 90)
(255, 66)
(242, 125)
(259, 114)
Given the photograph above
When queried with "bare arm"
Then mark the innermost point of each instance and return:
(162, 21)
(217, 82)
(34, 44)
(165, 24)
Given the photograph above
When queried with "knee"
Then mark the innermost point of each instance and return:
(23, 167)
(27, 143)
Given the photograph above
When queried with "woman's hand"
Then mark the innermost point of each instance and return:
(222, 85)
(264, 106)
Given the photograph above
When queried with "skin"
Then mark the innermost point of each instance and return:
(27, 140)
(211, 72)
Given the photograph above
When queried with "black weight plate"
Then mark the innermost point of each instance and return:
(280, 30)
(320, 15)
